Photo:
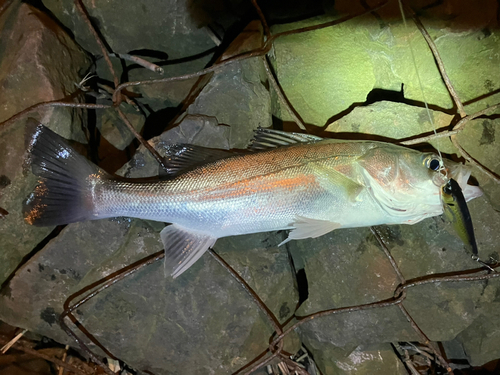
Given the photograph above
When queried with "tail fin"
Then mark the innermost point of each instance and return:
(63, 194)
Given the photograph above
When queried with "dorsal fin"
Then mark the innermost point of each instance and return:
(268, 138)
(182, 157)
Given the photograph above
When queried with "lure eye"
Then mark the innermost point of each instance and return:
(434, 164)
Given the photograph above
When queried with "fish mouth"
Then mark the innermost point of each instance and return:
(461, 174)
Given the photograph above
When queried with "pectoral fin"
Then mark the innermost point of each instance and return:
(309, 228)
(183, 247)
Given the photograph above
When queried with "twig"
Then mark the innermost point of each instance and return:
(388, 254)
(140, 61)
(267, 32)
(81, 8)
(65, 355)
(471, 160)
(439, 61)
(13, 341)
(256, 52)
(461, 124)
(281, 95)
(447, 279)
(405, 312)
(54, 103)
(20, 346)
(146, 144)
(424, 338)
(428, 138)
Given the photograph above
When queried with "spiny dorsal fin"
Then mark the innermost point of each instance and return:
(269, 138)
(182, 157)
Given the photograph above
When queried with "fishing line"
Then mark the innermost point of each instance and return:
(441, 163)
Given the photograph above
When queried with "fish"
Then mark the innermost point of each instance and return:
(287, 181)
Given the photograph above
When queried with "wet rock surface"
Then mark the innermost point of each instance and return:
(39, 63)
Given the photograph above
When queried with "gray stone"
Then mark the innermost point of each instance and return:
(40, 63)
(193, 129)
(236, 95)
(369, 359)
(346, 268)
(112, 127)
(328, 71)
(481, 141)
(161, 27)
(202, 322)
(396, 121)
(481, 339)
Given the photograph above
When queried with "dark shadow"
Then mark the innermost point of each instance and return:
(158, 121)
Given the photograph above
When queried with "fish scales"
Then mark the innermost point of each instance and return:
(310, 185)
(232, 193)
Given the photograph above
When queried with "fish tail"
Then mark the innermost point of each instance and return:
(64, 191)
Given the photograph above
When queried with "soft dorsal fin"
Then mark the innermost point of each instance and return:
(182, 157)
(268, 138)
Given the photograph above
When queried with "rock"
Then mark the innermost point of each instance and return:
(42, 64)
(159, 31)
(369, 359)
(327, 72)
(396, 121)
(193, 129)
(481, 141)
(311, 68)
(347, 268)
(142, 25)
(481, 339)
(202, 322)
(114, 129)
(236, 96)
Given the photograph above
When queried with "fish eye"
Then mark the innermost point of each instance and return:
(432, 162)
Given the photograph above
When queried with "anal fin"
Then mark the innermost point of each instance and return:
(304, 227)
(183, 247)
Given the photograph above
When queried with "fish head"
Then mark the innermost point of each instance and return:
(408, 184)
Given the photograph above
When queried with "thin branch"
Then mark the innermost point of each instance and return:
(388, 254)
(461, 124)
(254, 53)
(425, 339)
(146, 144)
(267, 32)
(53, 103)
(81, 8)
(281, 95)
(439, 62)
(471, 160)
(428, 138)
(447, 279)
(13, 341)
(24, 348)
(139, 61)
